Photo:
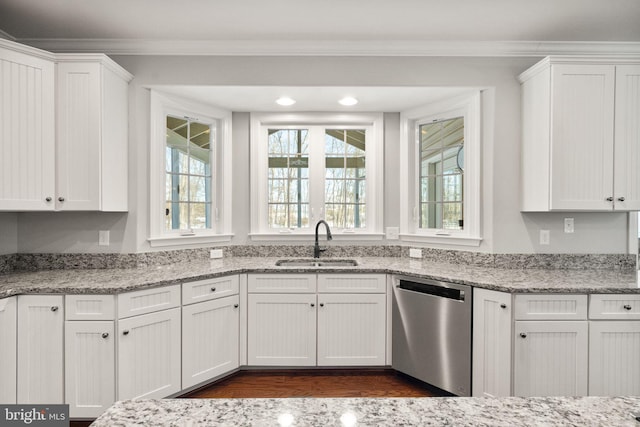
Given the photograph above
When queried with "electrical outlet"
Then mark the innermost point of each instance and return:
(393, 233)
(568, 225)
(216, 253)
(415, 253)
(545, 237)
(103, 238)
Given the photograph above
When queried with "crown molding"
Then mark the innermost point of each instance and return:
(449, 48)
(6, 36)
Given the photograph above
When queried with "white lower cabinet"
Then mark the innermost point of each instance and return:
(8, 350)
(149, 355)
(90, 384)
(210, 339)
(281, 330)
(40, 349)
(492, 325)
(550, 358)
(351, 329)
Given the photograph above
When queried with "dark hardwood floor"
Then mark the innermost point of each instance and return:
(311, 383)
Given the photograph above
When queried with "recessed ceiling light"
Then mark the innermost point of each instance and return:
(285, 101)
(348, 101)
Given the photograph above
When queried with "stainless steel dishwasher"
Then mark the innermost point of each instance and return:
(432, 333)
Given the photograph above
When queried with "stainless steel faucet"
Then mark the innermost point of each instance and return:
(316, 247)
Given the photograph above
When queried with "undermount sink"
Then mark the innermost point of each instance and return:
(317, 263)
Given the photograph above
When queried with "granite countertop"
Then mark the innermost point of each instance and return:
(435, 411)
(112, 281)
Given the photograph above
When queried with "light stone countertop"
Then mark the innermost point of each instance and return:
(113, 281)
(429, 411)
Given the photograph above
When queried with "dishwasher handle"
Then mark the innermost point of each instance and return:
(434, 290)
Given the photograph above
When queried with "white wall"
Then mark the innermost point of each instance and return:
(8, 233)
(504, 227)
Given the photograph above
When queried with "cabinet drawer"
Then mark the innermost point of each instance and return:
(148, 301)
(282, 283)
(208, 289)
(551, 307)
(352, 283)
(614, 306)
(90, 307)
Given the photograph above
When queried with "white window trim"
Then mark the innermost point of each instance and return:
(161, 105)
(467, 106)
(375, 178)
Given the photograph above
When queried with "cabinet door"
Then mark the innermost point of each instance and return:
(281, 330)
(550, 358)
(210, 339)
(27, 131)
(90, 383)
(491, 343)
(40, 349)
(78, 145)
(614, 358)
(149, 355)
(582, 137)
(351, 329)
(8, 338)
(627, 138)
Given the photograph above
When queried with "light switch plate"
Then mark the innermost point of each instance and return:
(216, 253)
(103, 238)
(545, 237)
(568, 225)
(415, 253)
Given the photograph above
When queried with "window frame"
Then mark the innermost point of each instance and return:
(468, 107)
(261, 122)
(221, 190)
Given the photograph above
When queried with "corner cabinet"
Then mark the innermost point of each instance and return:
(64, 134)
(580, 135)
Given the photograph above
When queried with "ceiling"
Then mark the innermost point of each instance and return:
(362, 22)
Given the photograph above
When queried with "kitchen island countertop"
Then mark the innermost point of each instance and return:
(116, 280)
(434, 411)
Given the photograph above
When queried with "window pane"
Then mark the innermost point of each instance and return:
(452, 188)
(452, 216)
(183, 216)
(183, 188)
(197, 189)
(278, 190)
(199, 212)
(278, 216)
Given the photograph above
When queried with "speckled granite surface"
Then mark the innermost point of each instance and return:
(435, 411)
(107, 281)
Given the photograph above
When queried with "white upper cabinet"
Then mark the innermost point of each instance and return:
(64, 131)
(27, 128)
(580, 135)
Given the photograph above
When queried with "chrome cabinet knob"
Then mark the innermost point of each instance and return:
(125, 332)
(621, 199)
(61, 199)
(54, 308)
(48, 199)
(627, 307)
(321, 304)
(213, 289)
(609, 199)
(313, 305)
(503, 305)
(105, 335)
(523, 335)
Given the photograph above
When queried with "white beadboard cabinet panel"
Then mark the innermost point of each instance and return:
(148, 301)
(614, 358)
(551, 307)
(614, 306)
(90, 369)
(282, 283)
(627, 138)
(352, 283)
(27, 130)
(492, 326)
(90, 307)
(351, 329)
(40, 349)
(149, 355)
(8, 349)
(92, 139)
(210, 339)
(550, 358)
(582, 119)
(208, 289)
(281, 330)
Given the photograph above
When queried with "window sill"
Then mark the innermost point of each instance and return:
(166, 241)
(445, 240)
(306, 237)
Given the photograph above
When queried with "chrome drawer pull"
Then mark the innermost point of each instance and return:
(627, 307)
